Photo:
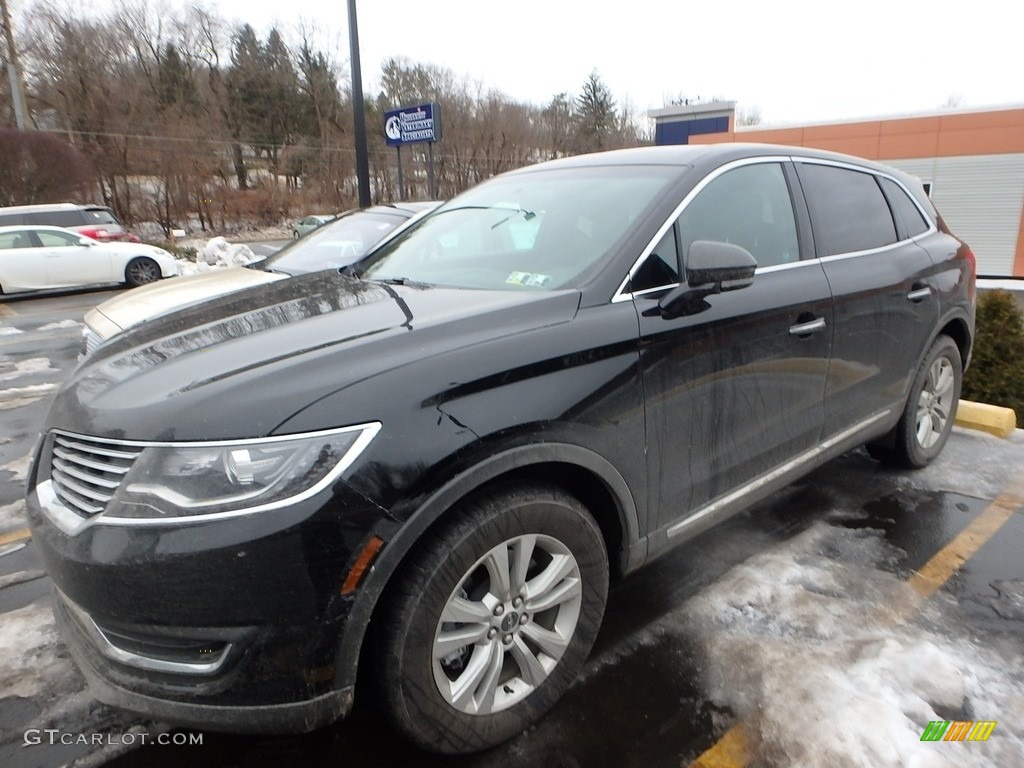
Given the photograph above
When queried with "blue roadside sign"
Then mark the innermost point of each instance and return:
(408, 125)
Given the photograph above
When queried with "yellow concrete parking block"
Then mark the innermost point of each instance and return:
(13, 537)
(993, 419)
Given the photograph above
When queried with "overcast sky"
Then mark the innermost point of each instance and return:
(795, 61)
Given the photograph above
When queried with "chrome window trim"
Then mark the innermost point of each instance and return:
(72, 524)
(620, 292)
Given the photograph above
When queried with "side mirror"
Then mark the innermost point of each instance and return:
(87, 241)
(711, 267)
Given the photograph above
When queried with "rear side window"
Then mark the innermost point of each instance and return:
(15, 240)
(100, 216)
(848, 211)
(58, 218)
(904, 210)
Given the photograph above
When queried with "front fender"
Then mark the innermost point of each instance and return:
(632, 555)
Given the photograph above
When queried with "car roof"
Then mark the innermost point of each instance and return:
(53, 207)
(38, 227)
(697, 154)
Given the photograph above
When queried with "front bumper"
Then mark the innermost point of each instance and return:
(233, 624)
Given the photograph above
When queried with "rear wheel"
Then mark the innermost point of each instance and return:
(928, 416)
(493, 619)
(140, 271)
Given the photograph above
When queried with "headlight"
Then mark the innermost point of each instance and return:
(224, 479)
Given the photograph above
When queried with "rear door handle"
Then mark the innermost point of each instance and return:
(806, 329)
(919, 294)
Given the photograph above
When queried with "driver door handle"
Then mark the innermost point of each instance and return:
(806, 329)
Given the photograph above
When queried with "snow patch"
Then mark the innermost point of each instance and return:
(12, 517)
(18, 467)
(217, 253)
(9, 330)
(958, 470)
(9, 371)
(15, 397)
(61, 324)
(808, 644)
(34, 658)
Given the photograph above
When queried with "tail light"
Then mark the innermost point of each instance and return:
(968, 254)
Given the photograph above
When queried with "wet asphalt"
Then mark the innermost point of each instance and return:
(641, 700)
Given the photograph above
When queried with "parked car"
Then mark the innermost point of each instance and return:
(95, 221)
(309, 223)
(347, 238)
(39, 258)
(430, 465)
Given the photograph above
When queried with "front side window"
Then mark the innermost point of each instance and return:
(537, 230)
(661, 268)
(747, 206)
(57, 239)
(848, 211)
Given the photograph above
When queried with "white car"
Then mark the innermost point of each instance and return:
(336, 244)
(34, 258)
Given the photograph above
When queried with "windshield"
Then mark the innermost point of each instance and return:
(539, 230)
(334, 245)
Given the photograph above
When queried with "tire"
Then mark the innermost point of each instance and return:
(928, 416)
(457, 573)
(140, 271)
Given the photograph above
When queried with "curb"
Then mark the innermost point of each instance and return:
(993, 419)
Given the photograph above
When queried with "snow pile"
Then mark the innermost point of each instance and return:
(958, 469)
(35, 661)
(218, 253)
(61, 324)
(11, 370)
(813, 646)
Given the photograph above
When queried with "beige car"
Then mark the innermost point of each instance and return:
(334, 245)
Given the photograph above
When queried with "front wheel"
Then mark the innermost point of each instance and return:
(492, 619)
(141, 271)
(930, 411)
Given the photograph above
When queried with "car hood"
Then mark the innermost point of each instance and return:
(242, 364)
(148, 301)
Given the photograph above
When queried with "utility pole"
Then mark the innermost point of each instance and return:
(14, 72)
(358, 111)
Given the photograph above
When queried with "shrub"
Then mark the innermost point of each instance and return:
(996, 375)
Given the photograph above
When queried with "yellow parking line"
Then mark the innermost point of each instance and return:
(733, 749)
(12, 537)
(6, 311)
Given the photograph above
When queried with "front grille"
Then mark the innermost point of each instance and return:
(86, 472)
(91, 340)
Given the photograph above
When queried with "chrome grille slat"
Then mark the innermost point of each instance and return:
(86, 472)
(97, 449)
(97, 465)
(76, 503)
(65, 481)
(68, 469)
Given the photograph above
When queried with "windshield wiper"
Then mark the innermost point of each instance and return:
(399, 281)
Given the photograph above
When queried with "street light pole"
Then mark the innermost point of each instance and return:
(358, 111)
(14, 71)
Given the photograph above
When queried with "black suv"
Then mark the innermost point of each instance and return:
(431, 464)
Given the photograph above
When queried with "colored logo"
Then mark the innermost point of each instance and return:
(958, 730)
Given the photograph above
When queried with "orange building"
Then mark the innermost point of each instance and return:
(971, 161)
